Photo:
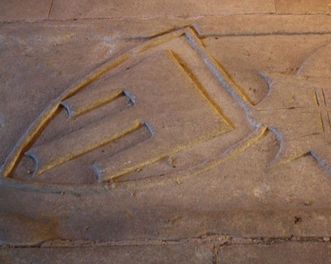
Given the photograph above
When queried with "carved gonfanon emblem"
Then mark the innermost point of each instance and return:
(298, 111)
(150, 111)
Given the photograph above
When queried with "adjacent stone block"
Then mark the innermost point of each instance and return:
(63, 9)
(177, 253)
(303, 6)
(283, 252)
(24, 10)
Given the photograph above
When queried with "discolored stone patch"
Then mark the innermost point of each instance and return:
(303, 6)
(177, 253)
(132, 9)
(29, 10)
(289, 252)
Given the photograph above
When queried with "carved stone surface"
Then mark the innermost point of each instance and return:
(186, 138)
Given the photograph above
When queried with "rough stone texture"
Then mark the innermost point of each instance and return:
(24, 10)
(263, 25)
(303, 6)
(160, 8)
(178, 253)
(145, 132)
(286, 252)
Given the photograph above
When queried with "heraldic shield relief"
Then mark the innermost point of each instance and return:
(165, 108)
(191, 132)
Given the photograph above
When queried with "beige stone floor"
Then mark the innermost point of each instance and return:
(260, 193)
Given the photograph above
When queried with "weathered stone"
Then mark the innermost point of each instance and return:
(177, 253)
(303, 6)
(156, 133)
(151, 9)
(27, 10)
(263, 25)
(18, 229)
(282, 252)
